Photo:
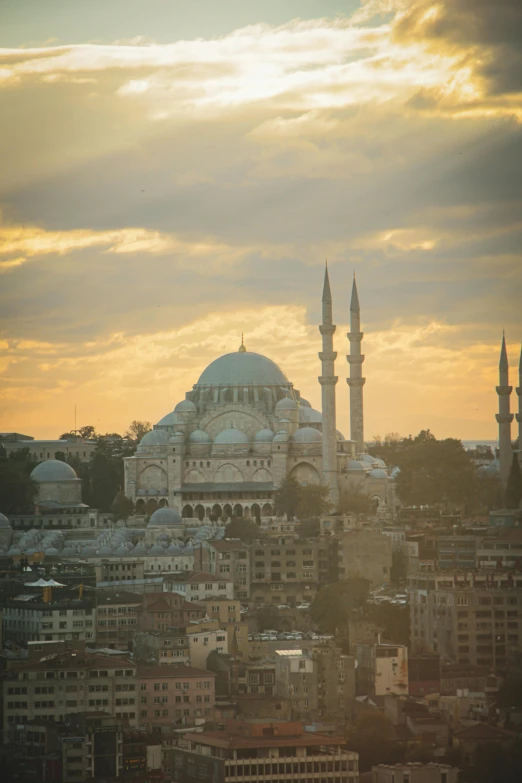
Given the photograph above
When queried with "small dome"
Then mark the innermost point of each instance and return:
(355, 464)
(121, 551)
(366, 458)
(264, 436)
(230, 436)
(307, 435)
(189, 550)
(199, 436)
(105, 550)
(309, 416)
(185, 406)
(53, 470)
(4, 522)
(377, 473)
(156, 551)
(14, 551)
(140, 549)
(155, 438)
(52, 551)
(379, 463)
(169, 420)
(89, 551)
(69, 551)
(340, 435)
(173, 550)
(165, 517)
(286, 404)
(281, 436)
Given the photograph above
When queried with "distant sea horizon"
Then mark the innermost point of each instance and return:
(472, 444)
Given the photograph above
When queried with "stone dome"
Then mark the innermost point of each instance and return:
(185, 406)
(165, 517)
(4, 522)
(307, 435)
(286, 404)
(304, 402)
(105, 550)
(69, 551)
(355, 464)
(155, 438)
(169, 420)
(53, 470)
(308, 415)
(89, 551)
(379, 463)
(281, 436)
(199, 436)
(173, 550)
(140, 549)
(52, 551)
(230, 436)
(156, 551)
(121, 551)
(340, 435)
(378, 473)
(264, 436)
(14, 551)
(242, 368)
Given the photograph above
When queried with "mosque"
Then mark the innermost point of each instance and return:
(227, 447)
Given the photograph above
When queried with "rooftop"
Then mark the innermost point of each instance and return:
(172, 671)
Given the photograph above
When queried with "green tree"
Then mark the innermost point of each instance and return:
(355, 502)
(372, 737)
(334, 603)
(286, 499)
(313, 501)
(106, 474)
(392, 618)
(514, 485)
(137, 429)
(244, 529)
(122, 507)
(17, 488)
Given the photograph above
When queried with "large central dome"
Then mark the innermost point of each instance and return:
(243, 368)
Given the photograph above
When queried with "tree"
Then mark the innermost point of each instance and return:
(17, 488)
(372, 737)
(137, 429)
(355, 502)
(313, 501)
(334, 603)
(244, 529)
(106, 479)
(514, 485)
(392, 618)
(122, 507)
(286, 499)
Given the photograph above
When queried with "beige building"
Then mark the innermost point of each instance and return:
(365, 553)
(117, 617)
(414, 773)
(231, 560)
(382, 669)
(296, 679)
(288, 572)
(41, 450)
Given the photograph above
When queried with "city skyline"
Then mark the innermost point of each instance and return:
(172, 179)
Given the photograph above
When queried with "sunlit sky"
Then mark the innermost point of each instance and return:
(175, 173)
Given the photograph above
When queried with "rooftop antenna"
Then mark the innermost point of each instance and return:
(242, 348)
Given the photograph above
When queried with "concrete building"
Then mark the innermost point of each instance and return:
(365, 553)
(164, 611)
(263, 750)
(336, 688)
(198, 586)
(223, 609)
(296, 679)
(415, 773)
(458, 552)
(204, 640)
(382, 669)
(117, 615)
(56, 686)
(231, 560)
(173, 696)
(289, 571)
(71, 448)
(31, 616)
(162, 647)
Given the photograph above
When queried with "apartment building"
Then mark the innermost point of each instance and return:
(173, 696)
(501, 551)
(365, 553)
(382, 669)
(288, 572)
(162, 647)
(163, 611)
(117, 615)
(223, 609)
(119, 569)
(457, 552)
(29, 617)
(205, 637)
(58, 685)
(229, 559)
(415, 773)
(296, 679)
(198, 586)
(269, 751)
(335, 682)
(260, 677)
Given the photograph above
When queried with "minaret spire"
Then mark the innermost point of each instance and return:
(504, 416)
(328, 381)
(356, 381)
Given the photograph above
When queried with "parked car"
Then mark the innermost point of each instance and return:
(304, 605)
(283, 606)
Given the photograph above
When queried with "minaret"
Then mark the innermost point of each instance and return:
(328, 381)
(519, 414)
(356, 381)
(504, 417)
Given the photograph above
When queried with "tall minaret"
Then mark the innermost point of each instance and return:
(356, 381)
(328, 381)
(519, 414)
(504, 417)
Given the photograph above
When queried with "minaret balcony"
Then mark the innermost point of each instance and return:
(328, 356)
(355, 359)
(328, 380)
(355, 382)
(519, 391)
(504, 418)
(504, 391)
(355, 337)
(327, 328)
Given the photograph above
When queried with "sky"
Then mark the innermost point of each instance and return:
(176, 172)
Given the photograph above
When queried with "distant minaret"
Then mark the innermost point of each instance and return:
(504, 417)
(356, 381)
(519, 414)
(328, 381)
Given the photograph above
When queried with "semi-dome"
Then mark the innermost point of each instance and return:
(377, 473)
(379, 463)
(155, 438)
(230, 436)
(308, 415)
(4, 522)
(286, 404)
(169, 420)
(53, 470)
(165, 517)
(185, 406)
(264, 436)
(242, 368)
(199, 436)
(281, 436)
(307, 435)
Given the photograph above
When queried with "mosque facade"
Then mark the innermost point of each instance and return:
(243, 428)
